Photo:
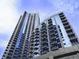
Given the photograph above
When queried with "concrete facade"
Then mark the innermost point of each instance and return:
(62, 53)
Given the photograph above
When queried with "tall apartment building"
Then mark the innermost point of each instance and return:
(32, 39)
(55, 30)
(18, 45)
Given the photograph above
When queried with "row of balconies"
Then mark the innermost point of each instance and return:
(71, 35)
(50, 24)
(62, 16)
(32, 41)
(74, 41)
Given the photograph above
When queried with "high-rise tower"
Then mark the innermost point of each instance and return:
(34, 40)
(18, 45)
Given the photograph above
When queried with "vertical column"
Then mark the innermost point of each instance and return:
(48, 35)
(59, 33)
(34, 37)
(44, 39)
(19, 38)
(25, 38)
(73, 38)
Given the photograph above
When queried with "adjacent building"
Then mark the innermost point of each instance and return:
(58, 40)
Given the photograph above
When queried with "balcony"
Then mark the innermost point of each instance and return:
(72, 35)
(44, 30)
(36, 44)
(53, 42)
(31, 52)
(61, 13)
(69, 30)
(49, 19)
(51, 34)
(67, 26)
(54, 45)
(57, 39)
(62, 18)
(44, 35)
(44, 50)
(44, 40)
(36, 53)
(44, 44)
(49, 22)
(52, 30)
(36, 36)
(36, 33)
(65, 23)
(50, 26)
(36, 48)
(36, 40)
(43, 27)
(32, 41)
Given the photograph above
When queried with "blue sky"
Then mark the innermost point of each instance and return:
(10, 10)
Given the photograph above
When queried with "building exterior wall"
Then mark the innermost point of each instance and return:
(63, 53)
(32, 40)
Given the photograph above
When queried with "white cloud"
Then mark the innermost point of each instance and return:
(9, 16)
(62, 5)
